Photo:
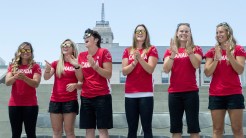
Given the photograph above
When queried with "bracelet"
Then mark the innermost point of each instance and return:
(77, 67)
(171, 58)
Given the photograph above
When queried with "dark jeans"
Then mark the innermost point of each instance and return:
(26, 114)
(143, 107)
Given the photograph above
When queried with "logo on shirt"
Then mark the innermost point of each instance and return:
(87, 64)
(26, 71)
(68, 68)
(181, 55)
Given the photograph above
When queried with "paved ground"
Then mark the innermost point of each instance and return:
(160, 106)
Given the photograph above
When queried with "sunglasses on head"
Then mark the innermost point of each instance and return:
(25, 50)
(223, 24)
(66, 45)
(140, 32)
(87, 35)
(187, 24)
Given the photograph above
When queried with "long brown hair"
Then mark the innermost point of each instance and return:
(146, 45)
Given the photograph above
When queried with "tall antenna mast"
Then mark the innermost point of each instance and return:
(102, 13)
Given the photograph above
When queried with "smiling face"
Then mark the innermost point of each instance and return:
(67, 48)
(26, 52)
(140, 34)
(90, 41)
(183, 33)
(221, 34)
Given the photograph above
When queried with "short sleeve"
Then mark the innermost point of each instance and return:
(240, 51)
(54, 64)
(198, 50)
(153, 52)
(107, 56)
(167, 53)
(10, 68)
(125, 53)
(210, 53)
(37, 69)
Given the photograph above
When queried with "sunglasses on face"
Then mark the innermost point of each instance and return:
(66, 45)
(25, 50)
(187, 24)
(140, 32)
(87, 35)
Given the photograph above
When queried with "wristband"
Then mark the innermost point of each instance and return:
(77, 67)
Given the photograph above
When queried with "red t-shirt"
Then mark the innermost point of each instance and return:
(94, 84)
(59, 93)
(139, 80)
(183, 74)
(22, 94)
(225, 80)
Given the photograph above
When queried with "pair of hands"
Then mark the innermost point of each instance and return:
(137, 56)
(228, 46)
(71, 86)
(19, 75)
(174, 48)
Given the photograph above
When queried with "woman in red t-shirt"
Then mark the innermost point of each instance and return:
(24, 75)
(182, 59)
(63, 106)
(138, 64)
(94, 69)
(225, 62)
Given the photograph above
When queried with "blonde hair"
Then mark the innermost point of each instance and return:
(175, 38)
(230, 36)
(60, 64)
(146, 45)
(17, 61)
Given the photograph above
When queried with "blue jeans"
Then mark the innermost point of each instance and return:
(142, 107)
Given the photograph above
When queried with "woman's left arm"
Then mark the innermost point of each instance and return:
(150, 65)
(195, 60)
(237, 63)
(33, 82)
(105, 71)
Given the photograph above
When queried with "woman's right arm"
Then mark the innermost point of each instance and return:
(49, 71)
(168, 63)
(210, 66)
(126, 69)
(10, 79)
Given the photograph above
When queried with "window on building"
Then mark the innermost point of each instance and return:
(165, 78)
(122, 78)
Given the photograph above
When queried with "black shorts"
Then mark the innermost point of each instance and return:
(179, 103)
(226, 102)
(64, 107)
(96, 112)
